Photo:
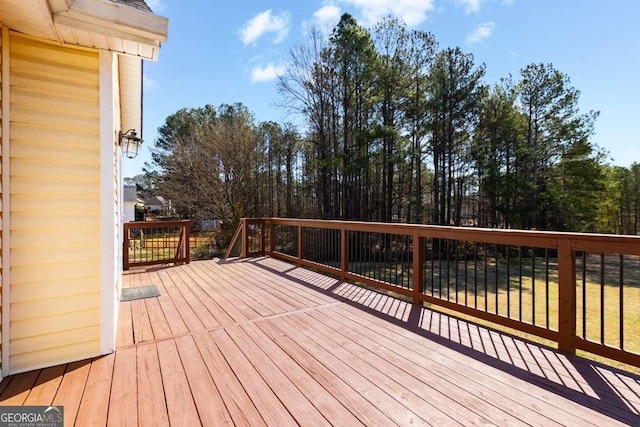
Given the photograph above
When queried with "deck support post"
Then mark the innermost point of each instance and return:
(126, 231)
(187, 242)
(245, 239)
(417, 283)
(343, 254)
(300, 244)
(567, 297)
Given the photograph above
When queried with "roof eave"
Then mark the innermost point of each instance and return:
(129, 30)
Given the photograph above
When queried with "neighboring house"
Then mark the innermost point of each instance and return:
(71, 73)
(130, 201)
(158, 206)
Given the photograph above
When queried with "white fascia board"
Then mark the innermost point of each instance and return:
(93, 25)
(114, 16)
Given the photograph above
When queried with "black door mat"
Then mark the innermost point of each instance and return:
(140, 292)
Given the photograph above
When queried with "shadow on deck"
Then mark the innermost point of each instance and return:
(260, 341)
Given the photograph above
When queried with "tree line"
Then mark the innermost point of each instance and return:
(394, 129)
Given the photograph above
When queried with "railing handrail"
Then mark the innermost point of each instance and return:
(409, 229)
(567, 244)
(156, 224)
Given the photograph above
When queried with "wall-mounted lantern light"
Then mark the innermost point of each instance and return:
(130, 143)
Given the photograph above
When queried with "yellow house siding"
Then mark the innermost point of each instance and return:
(1, 210)
(55, 204)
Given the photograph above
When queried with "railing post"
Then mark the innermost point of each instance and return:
(343, 253)
(417, 285)
(300, 243)
(567, 296)
(187, 231)
(125, 247)
(245, 239)
(263, 244)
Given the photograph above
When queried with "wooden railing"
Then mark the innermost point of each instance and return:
(155, 242)
(580, 290)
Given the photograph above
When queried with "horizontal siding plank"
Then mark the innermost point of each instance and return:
(43, 151)
(34, 220)
(62, 322)
(57, 119)
(53, 69)
(55, 272)
(28, 133)
(44, 255)
(39, 307)
(27, 47)
(62, 238)
(53, 340)
(43, 170)
(82, 91)
(54, 356)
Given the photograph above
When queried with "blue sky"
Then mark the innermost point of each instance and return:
(230, 51)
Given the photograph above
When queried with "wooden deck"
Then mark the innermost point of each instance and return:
(262, 342)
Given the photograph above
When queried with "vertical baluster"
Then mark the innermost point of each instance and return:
(466, 273)
(533, 286)
(584, 295)
(602, 280)
(496, 289)
(432, 268)
(546, 284)
(486, 272)
(621, 300)
(456, 267)
(508, 281)
(520, 283)
(439, 268)
(448, 252)
(475, 275)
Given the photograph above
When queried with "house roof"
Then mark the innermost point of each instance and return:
(156, 201)
(130, 194)
(123, 26)
(137, 4)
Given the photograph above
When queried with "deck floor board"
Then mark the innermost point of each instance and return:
(263, 342)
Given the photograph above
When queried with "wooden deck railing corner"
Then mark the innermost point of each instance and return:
(521, 279)
(155, 242)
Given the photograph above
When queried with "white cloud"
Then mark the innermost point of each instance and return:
(329, 14)
(148, 82)
(471, 6)
(412, 12)
(263, 23)
(481, 32)
(268, 73)
(324, 19)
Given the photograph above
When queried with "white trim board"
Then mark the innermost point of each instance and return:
(108, 295)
